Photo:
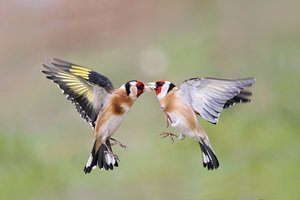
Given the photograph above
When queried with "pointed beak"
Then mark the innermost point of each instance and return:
(147, 89)
(151, 85)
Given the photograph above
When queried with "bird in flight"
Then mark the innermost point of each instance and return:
(98, 102)
(206, 97)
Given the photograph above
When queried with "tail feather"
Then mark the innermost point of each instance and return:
(210, 160)
(102, 158)
(92, 161)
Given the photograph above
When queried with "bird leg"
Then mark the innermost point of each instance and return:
(165, 134)
(168, 119)
(168, 134)
(115, 141)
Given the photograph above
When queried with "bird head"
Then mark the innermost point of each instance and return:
(161, 87)
(134, 88)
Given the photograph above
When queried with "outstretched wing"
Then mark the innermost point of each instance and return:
(208, 96)
(86, 89)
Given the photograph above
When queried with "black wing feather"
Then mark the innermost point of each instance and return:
(86, 89)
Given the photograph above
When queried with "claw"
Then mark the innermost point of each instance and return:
(168, 134)
(117, 142)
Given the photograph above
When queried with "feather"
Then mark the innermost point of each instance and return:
(208, 96)
(86, 89)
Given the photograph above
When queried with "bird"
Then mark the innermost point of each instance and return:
(206, 97)
(98, 102)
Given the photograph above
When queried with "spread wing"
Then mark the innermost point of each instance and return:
(85, 88)
(208, 96)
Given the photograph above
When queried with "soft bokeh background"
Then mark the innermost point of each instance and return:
(44, 144)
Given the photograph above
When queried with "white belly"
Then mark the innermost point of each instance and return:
(110, 126)
(181, 125)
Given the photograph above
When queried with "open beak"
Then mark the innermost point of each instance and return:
(151, 86)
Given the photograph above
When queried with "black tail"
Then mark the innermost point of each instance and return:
(210, 160)
(102, 158)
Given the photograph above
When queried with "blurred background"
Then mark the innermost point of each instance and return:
(44, 143)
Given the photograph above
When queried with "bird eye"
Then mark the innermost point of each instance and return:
(159, 84)
(140, 87)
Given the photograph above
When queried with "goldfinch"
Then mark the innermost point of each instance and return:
(203, 96)
(98, 102)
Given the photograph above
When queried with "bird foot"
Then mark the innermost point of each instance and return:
(168, 134)
(114, 142)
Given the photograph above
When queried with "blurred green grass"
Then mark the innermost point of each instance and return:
(257, 143)
(44, 143)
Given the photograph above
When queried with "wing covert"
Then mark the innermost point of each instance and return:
(208, 96)
(85, 88)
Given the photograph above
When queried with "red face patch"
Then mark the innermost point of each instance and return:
(159, 85)
(139, 83)
(139, 92)
(140, 88)
(158, 90)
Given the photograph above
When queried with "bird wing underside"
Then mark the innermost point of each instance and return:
(208, 96)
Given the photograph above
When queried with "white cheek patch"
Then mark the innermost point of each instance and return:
(133, 91)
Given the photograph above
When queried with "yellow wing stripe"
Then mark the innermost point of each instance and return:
(75, 84)
(80, 68)
(89, 96)
(80, 71)
(82, 74)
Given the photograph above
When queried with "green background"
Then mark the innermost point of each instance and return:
(44, 143)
